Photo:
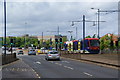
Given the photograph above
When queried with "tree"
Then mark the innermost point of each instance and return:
(88, 36)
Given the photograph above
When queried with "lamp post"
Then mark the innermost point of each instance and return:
(98, 10)
(25, 35)
(70, 34)
(76, 31)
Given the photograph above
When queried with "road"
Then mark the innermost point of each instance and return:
(66, 68)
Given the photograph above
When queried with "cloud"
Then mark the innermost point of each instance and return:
(47, 16)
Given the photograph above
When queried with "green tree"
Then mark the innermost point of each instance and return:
(88, 37)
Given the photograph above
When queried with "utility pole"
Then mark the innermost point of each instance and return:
(76, 33)
(5, 29)
(25, 36)
(42, 41)
(98, 23)
(58, 31)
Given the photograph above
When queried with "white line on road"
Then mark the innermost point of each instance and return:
(66, 61)
(87, 74)
(58, 64)
(51, 61)
(68, 67)
(38, 62)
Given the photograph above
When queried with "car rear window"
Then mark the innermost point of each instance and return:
(32, 50)
(20, 51)
(53, 52)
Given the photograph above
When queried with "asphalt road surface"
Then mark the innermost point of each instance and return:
(66, 68)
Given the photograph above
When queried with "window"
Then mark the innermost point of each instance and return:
(53, 53)
(94, 43)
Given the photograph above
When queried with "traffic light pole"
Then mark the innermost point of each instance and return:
(11, 49)
(5, 26)
(83, 33)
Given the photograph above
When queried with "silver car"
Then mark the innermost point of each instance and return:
(32, 52)
(52, 55)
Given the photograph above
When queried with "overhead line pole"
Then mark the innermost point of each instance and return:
(98, 10)
(83, 33)
(84, 28)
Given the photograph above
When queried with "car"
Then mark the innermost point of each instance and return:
(52, 55)
(20, 52)
(31, 52)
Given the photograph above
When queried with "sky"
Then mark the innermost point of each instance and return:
(34, 17)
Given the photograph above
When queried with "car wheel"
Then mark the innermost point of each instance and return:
(47, 59)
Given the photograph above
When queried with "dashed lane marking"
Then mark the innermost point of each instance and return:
(36, 73)
(58, 64)
(66, 61)
(87, 74)
(33, 71)
(68, 67)
(51, 61)
(38, 62)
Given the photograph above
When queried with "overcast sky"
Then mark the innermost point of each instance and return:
(36, 17)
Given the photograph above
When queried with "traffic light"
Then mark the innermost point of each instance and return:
(111, 43)
(51, 41)
(56, 41)
(11, 41)
(38, 42)
(61, 40)
(116, 43)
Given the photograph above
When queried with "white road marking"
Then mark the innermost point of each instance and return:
(38, 62)
(68, 67)
(51, 61)
(87, 74)
(66, 61)
(58, 64)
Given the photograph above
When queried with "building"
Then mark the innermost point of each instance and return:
(52, 37)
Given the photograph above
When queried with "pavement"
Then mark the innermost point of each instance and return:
(18, 69)
(108, 59)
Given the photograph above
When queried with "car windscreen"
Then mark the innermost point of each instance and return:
(53, 52)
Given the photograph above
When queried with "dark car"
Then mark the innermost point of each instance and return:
(20, 52)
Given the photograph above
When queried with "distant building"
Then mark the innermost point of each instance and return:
(52, 37)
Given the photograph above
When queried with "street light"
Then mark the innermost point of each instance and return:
(98, 10)
(106, 11)
(76, 31)
(25, 35)
(70, 31)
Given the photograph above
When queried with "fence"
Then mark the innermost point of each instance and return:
(72, 55)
